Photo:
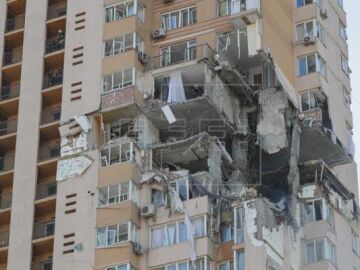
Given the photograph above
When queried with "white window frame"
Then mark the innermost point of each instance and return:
(132, 234)
(227, 264)
(137, 43)
(310, 95)
(320, 65)
(132, 188)
(235, 258)
(113, 7)
(329, 251)
(166, 52)
(342, 31)
(177, 223)
(116, 267)
(177, 189)
(123, 84)
(327, 212)
(242, 209)
(345, 64)
(204, 259)
(131, 154)
(306, 30)
(166, 18)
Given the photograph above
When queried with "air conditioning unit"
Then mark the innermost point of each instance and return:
(158, 34)
(148, 211)
(309, 40)
(143, 58)
(323, 13)
(137, 248)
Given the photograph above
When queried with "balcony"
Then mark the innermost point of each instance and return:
(244, 12)
(4, 239)
(45, 265)
(124, 150)
(44, 229)
(15, 23)
(8, 127)
(7, 161)
(46, 190)
(5, 200)
(50, 116)
(55, 44)
(12, 57)
(53, 78)
(48, 152)
(9, 91)
(181, 54)
(56, 10)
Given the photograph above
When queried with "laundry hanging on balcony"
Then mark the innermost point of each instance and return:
(176, 88)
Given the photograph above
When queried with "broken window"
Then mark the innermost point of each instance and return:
(116, 233)
(179, 18)
(182, 189)
(240, 260)
(301, 3)
(226, 234)
(228, 265)
(123, 43)
(157, 197)
(311, 64)
(178, 53)
(318, 210)
(123, 10)
(239, 225)
(321, 249)
(227, 7)
(342, 30)
(308, 101)
(117, 193)
(119, 153)
(176, 233)
(120, 80)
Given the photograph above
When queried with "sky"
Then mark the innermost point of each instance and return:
(352, 7)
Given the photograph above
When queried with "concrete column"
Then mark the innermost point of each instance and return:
(27, 140)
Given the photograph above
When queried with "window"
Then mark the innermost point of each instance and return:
(157, 197)
(178, 19)
(178, 53)
(347, 98)
(308, 101)
(125, 266)
(226, 234)
(341, 3)
(239, 225)
(342, 30)
(202, 263)
(114, 154)
(229, 265)
(182, 188)
(239, 260)
(303, 30)
(321, 249)
(301, 3)
(117, 233)
(318, 210)
(123, 43)
(311, 64)
(123, 10)
(175, 233)
(228, 7)
(355, 243)
(117, 193)
(345, 64)
(120, 80)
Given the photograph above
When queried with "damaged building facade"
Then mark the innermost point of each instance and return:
(176, 135)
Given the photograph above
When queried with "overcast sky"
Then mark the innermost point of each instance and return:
(352, 7)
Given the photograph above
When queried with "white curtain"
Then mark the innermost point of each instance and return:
(176, 88)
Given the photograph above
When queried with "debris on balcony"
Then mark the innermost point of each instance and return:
(72, 167)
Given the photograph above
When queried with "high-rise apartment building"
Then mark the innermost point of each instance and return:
(176, 135)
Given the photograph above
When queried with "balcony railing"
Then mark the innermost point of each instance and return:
(7, 162)
(15, 23)
(53, 78)
(46, 265)
(57, 10)
(8, 126)
(4, 239)
(48, 152)
(45, 190)
(9, 91)
(5, 200)
(12, 57)
(49, 116)
(55, 44)
(44, 229)
(198, 52)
